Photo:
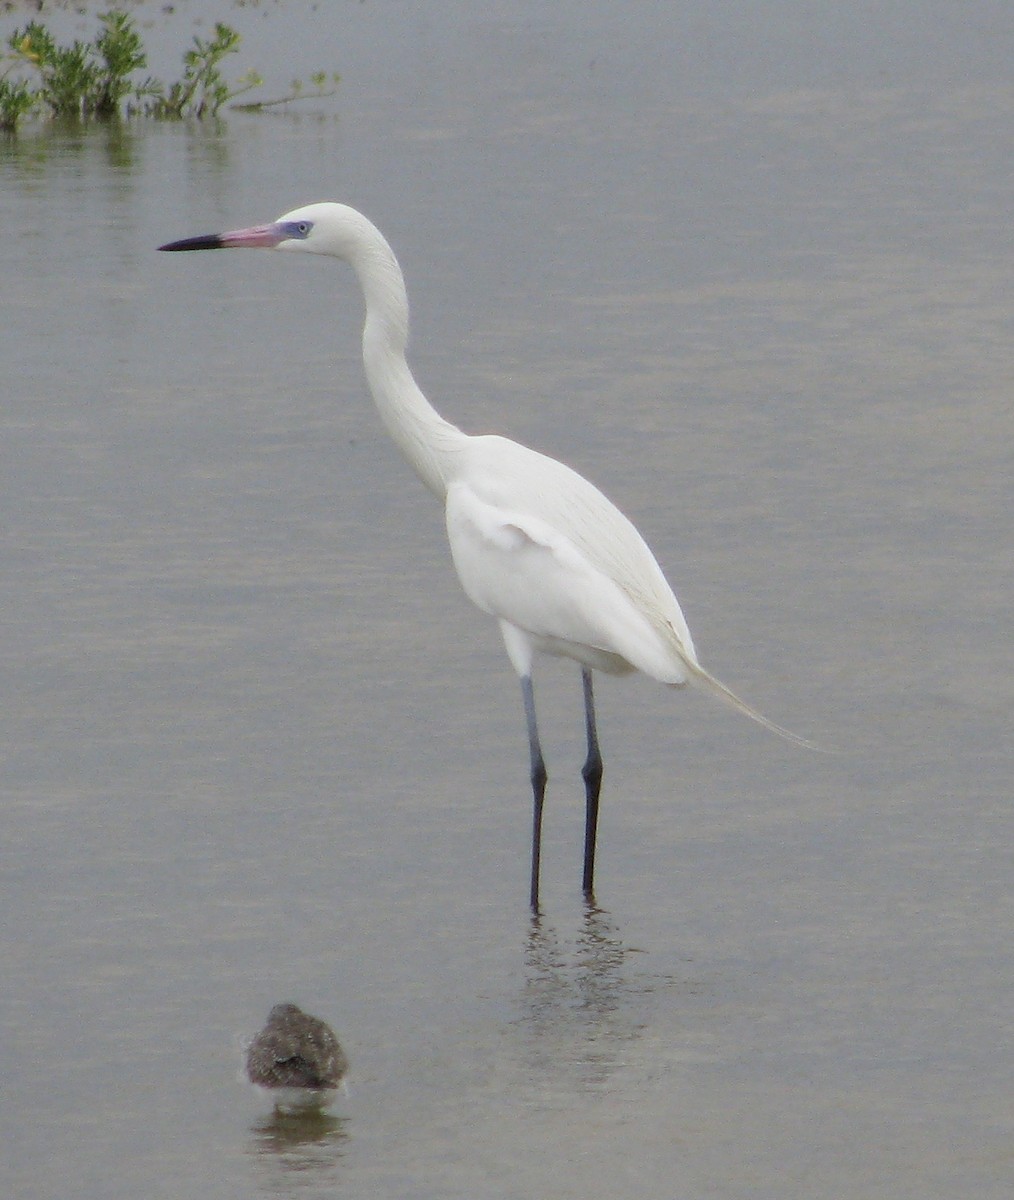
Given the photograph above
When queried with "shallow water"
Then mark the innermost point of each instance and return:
(257, 746)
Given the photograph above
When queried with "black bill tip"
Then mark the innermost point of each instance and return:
(207, 241)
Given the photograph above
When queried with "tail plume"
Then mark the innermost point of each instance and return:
(715, 686)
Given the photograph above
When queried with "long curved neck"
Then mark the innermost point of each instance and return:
(428, 441)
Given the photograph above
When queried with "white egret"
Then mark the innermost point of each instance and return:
(296, 1060)
(534, 543)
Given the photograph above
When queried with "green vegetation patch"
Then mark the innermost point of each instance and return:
(99, 79)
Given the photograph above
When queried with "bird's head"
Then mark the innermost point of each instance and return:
(332, 229)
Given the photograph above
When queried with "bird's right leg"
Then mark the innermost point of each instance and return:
(539, 777)
(592, 773)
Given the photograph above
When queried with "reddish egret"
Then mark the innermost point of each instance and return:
(535, 544)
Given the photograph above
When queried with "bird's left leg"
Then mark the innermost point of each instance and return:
(538, 785)
(592, 773)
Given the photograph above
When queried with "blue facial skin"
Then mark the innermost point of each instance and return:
(297, 230)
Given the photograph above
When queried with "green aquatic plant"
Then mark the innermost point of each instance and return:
(80, 80)
(84, 78)
(320, 81)
(16, 99)
(202, 91)
(97, 79)
(120, 53)
(67, 74)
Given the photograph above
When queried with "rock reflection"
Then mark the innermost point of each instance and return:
(578, 1009)
(299, 1150)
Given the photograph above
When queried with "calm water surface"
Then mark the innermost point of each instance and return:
(752, 278)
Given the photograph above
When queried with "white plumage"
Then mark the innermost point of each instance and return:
(534, 543)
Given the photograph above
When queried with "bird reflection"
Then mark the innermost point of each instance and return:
(285, 1131)
(305, 1147)
(576, 1004)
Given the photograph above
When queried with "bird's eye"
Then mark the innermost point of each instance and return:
(299, 230)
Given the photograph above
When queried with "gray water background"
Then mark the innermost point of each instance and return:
(749, 268)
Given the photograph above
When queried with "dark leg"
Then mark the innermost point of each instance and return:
(592, 773)
(538, 784)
